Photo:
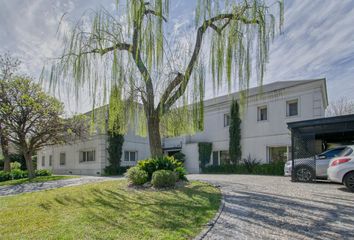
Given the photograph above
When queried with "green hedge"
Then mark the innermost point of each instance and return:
(276, 169)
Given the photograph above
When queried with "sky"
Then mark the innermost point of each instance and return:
(317, 40)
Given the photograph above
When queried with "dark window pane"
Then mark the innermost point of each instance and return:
(62, 158)
(224, 157)
(132, 156)
(278, 154)
(215, 158)
(292, 108)
(126, 156)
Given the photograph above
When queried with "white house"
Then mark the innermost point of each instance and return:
(264, 131)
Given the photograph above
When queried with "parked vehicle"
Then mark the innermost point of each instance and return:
(307, 169)
(341, 169)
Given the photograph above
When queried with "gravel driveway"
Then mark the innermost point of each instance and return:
(33, 187)
(263, 207)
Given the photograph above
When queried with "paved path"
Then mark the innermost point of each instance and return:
(33, 187)
(262, 207)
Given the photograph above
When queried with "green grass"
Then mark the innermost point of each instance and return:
(109, 210)
(36, 179)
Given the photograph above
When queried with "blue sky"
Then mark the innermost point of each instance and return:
(318, 38)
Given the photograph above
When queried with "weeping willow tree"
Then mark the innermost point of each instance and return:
(152, 86)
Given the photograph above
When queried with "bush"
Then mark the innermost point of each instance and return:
(17, 173)
(180, 157)
(250, 163)
(181, 173)
(161, 163)
(4, 176)
(43, 172)
(136, 176)
(111, 170)
(163, 178)
(15, 165)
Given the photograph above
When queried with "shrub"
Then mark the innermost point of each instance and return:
(163, 178)
(181, 173)
(136, 176)
(250, 163)
(17, 173)
(110, 170)
(43, 172)
(4, 176)
(15, 165)
(180, 157)
(160, 163)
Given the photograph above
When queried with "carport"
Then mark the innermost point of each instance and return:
(311, 137)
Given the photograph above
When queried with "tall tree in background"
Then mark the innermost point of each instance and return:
(33, 119)
(8, 66)
(235, 133)
(342, 106)
(132, 52)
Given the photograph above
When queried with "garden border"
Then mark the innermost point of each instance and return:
(213, 221)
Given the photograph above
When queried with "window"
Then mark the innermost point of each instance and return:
(215, 158)
(332, 153)
(292, 108)
(278, 154)
(262, 113)
(224, 157)
(62, 159)
(226, 120)
(43, 161)
(130, 156)
(88, 156)
(50, 160)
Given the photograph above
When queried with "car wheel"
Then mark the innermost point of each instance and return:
(304, 174)
(349, 181)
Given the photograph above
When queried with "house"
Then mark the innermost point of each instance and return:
(264, 132)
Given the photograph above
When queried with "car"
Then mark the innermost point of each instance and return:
(341, 169)
(304, 167)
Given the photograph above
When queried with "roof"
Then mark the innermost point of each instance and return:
(275, 86)
(322, 121)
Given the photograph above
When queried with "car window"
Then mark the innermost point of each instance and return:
(332, 153)
(346, 152)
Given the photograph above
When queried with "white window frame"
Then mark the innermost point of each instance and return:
(259, 113)
(60, 162)
(129, 155)
(227, 119)
(288, 102)
(83, 155)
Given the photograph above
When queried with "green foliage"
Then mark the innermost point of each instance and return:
(250, 163)
(136, 176)
(163, 178)
(180, 156)
(4, 176)
(113, 171)
(204, 150)
(235, 133)
(17, 173)
(275, 169)
(43, 172)
(115, 144)
(159, 163)
(15, 165)
(18, 158)
(181, 173)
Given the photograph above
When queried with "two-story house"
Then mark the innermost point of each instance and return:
(264, 133)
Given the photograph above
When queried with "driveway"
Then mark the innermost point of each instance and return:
(264, 207)
(33, 187)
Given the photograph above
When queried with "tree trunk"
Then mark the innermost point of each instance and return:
(29, 164)
(154, 134)
(5, 151)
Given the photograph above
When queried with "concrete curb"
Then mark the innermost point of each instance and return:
(212, 222)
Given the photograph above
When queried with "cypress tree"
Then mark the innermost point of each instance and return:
(235, 133)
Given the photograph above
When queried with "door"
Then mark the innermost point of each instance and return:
(323, 159)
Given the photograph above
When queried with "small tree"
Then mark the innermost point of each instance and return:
(32, 118)
(115, 143)
(8, 65)
(235, 133)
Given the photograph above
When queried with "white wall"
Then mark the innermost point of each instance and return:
(192, 160)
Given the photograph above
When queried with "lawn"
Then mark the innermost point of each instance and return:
(36, 179)
(109, 210)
